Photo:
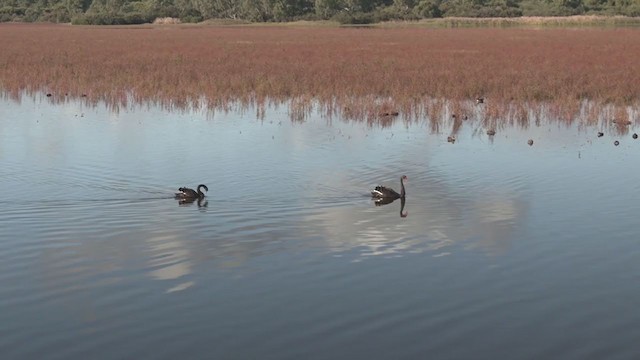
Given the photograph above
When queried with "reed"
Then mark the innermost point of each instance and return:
(525, 21)
(354, 72)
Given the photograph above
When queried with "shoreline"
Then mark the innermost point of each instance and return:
(362, 72)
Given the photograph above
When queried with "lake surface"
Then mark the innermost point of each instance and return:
(507, 251)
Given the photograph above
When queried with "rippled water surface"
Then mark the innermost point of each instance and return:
(507, 251)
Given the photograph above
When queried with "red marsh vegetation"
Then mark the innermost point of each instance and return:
(360, 73)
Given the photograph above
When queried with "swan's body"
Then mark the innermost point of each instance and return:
(190, 194)
(384, 193)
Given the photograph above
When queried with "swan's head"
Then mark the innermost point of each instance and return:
(205, 187)
(404, 177)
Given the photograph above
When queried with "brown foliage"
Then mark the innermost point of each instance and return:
(353, 72)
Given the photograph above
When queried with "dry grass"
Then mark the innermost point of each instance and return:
(166, 21)
(525, 21)
(356, 73)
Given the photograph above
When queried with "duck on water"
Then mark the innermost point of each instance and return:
(190, 194)
(385, 194)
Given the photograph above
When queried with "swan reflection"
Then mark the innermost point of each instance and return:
(386, 201)
(202, 203)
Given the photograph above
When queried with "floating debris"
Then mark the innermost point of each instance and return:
(530, 142)
(49, 95)
(480, 100)
(491, 132)
(600, 134)
(616, 143)
(451, 139)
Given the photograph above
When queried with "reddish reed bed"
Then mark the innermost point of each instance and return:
(356, 72)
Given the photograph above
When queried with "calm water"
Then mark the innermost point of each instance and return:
(507, 252)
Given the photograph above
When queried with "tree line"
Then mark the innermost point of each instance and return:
(113, 12)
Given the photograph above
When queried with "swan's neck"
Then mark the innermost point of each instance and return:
(402, 192)
(200, 193)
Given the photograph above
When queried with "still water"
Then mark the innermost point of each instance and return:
(507, 251)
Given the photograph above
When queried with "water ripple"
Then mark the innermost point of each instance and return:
(499, 245)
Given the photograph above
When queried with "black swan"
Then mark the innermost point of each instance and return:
(190, 194)
(385, 193)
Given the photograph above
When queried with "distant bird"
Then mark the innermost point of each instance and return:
(600, 134)
(616, 143)
(491, 132)
(479, 100)
(190, 194)
(385, 193)
(530, 142)
(635, 136)
(451, 139)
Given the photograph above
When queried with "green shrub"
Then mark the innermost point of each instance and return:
(111, 19)
(135, 18)
(79, 20)
(346, 18)
(428, 9)
(191, 19)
